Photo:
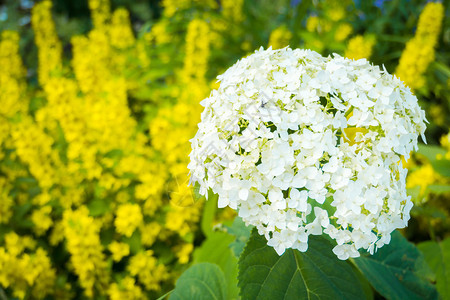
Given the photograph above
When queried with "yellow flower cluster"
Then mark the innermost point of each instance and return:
(83, 243)
(360, 47)
(12, 84)
(419, 51)
(89, 167)
(119, 250)
(100, 12)
(24, 265)
(149, 273)
(47, 41)
(171, 7)
(128, 218)
(423, 177)
(280, 37)
(126, 289)
(328, 27)
(174, 126)
(197, 51)
(343, 31)
(232, 10)
(121, 35)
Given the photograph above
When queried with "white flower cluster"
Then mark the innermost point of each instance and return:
(301, 144)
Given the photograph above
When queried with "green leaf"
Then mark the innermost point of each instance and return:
(437, 255)
(242, 234)
(394, 270)
(134, 241)
(203, 281)
(442, 166)
(209, 212)
(215, 249)
(439, 188)
(430, 151)
(98, 207)
(315, 274)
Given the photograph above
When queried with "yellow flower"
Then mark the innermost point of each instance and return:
(197, 50)
(419, 51)
(145, 266)
(232, 10)
(343, 31)
(119, 250)
(280, 37)
(41, 219)
(120, 32)
(312, 23)
(49, 46)
(149, 233)
(128, 218)
(183, 252)
(100, 12)
(86, 251)
(423, 177)
(360, 47)
(126, 289)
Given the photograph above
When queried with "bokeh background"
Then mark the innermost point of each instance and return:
(98, 101)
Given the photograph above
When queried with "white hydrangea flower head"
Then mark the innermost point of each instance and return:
(301, 144)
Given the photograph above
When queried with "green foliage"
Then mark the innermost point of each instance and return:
(215, 249)
(394, 271)
(242, 234)
(314, 274)
(203, 282)
(437, 255)
(209, 212)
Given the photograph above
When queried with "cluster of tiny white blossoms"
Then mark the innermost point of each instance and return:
(300, 144)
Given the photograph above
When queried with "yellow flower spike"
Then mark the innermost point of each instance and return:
(312, 23)
(343, 31)
(232, 10)
(280, 37)
(6, 202)
(360, 47)
(197, 51)
(47, 41)
(120, 31)
(419, 51)
(86, 251)
(100, 12)
(12, 79)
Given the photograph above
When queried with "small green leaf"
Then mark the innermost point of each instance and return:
(98, 207)
(242, 234)
(209, 212)
(314, 274)
(134, 241)
(442, 166)
(439, 188)
(430, 152)
(395, 269)
(437, 255)
(215, 249)
(202, 281)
